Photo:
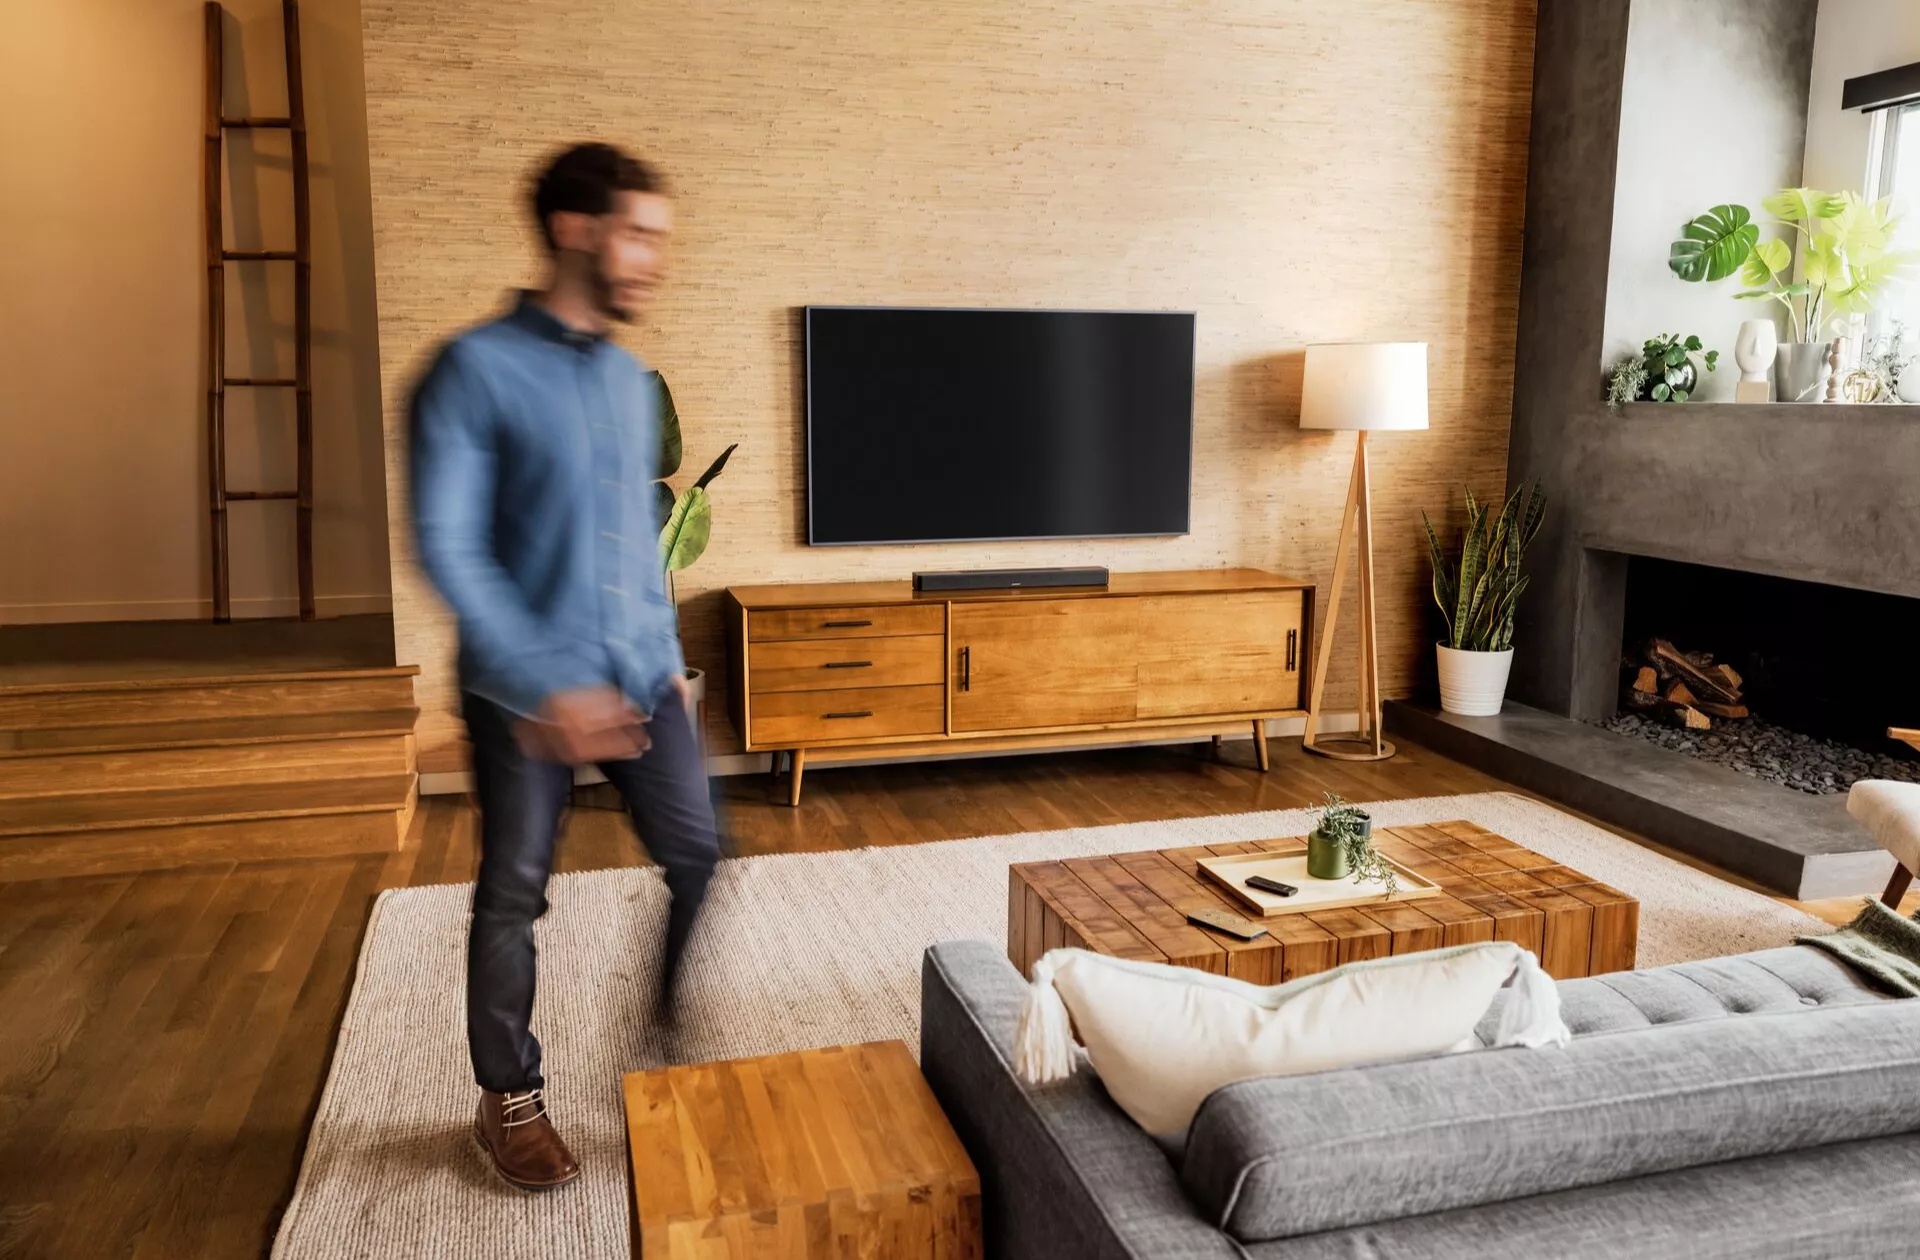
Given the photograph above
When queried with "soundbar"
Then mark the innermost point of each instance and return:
(1007, 579)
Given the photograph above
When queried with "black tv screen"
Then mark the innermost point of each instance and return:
(928, 425)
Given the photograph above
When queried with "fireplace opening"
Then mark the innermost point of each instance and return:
(1792, 682)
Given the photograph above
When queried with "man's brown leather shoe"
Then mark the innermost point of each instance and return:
(514, 1131)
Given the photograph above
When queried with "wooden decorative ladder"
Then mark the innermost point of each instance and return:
(218, 256)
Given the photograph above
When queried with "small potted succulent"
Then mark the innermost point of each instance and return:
(1341, 844)
(1663, 371)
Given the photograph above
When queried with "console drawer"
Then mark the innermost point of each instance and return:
(879, 621)
(791, 718)
(840, 664)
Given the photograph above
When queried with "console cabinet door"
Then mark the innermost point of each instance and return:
(1026, 664)
(1202, 654)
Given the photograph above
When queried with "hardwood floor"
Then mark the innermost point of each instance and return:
(164, 1037)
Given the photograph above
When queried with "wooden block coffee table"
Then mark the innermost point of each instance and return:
(1134, 905)
(841, 1152)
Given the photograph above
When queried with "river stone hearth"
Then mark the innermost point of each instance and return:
(1805, 763)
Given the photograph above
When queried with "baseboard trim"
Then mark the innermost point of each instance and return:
(725, 765)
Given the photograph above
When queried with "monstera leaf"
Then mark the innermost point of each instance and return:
(688, 529)
(670, 452)
(1804, 205)
(689, 525)
(1766, 264)
(1714, 246)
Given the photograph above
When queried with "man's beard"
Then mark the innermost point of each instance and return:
(603, 298)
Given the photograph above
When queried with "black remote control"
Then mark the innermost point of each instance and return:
(1273, 886)
(1231, 924)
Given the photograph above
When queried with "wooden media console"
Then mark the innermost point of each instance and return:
(835, 671)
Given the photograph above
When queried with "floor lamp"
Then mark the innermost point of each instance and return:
(1369, 388)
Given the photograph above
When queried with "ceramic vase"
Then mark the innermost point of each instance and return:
(1473, 684)
(1755, 350)
(1800, 371)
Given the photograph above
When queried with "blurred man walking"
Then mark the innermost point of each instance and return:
(535, 441)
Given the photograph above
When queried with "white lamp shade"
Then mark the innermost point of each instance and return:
(1365, 385)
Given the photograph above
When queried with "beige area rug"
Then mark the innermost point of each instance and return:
(796, 951)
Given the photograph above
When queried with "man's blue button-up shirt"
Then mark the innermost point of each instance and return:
(534, 449)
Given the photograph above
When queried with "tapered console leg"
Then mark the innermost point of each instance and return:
(793, 783)
(1261, 756)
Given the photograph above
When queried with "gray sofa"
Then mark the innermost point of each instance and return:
(1761, 1105)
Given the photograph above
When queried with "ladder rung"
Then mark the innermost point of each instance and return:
(260, 380)
(256, 122)
(260, 255)
(246, 496)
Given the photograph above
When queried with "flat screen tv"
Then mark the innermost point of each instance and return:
(934, 425)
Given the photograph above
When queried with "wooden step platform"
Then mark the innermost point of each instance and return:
(100, 776)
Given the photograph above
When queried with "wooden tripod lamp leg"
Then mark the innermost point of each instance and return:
(1356, 525)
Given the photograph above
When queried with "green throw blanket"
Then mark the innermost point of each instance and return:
(1880, 944)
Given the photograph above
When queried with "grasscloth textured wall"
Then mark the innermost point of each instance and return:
(1293, 171)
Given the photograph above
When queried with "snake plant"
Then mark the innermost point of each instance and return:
(1479, 595)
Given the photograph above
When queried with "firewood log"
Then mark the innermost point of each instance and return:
(1699, 681)
(1691, 718)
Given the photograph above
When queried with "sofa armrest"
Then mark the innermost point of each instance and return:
(1063, 1172)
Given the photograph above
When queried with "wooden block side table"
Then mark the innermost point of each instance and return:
(839, 1152)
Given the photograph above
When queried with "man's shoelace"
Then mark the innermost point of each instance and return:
(533, 1103)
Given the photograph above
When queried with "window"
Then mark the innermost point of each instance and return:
(1893, 170)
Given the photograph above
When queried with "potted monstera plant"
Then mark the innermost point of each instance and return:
(1478, 595)
(1848, 257)
(686, 516)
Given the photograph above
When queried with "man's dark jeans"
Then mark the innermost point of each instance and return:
(521, 801)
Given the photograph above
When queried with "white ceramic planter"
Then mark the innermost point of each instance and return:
(697, 684)
(1473, 684)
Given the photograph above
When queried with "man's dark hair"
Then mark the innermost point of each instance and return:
(584, 178)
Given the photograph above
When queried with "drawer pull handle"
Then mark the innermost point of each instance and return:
(1293, 641)
(858, 713)
(847, 665)
(966, 669)
(843, 625)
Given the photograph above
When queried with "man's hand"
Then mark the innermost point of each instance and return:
(583, 727)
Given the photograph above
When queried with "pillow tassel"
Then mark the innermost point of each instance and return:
(1043, 1043)
(1531, 1017)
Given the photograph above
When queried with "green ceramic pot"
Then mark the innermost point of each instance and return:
(1326, 859)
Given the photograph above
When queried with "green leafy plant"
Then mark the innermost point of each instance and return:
(1846, 254)
(1348, 828)
(686, 517)
(1479, 595)
(1663, 371)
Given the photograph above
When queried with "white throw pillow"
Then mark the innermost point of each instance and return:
(1162, 1038)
